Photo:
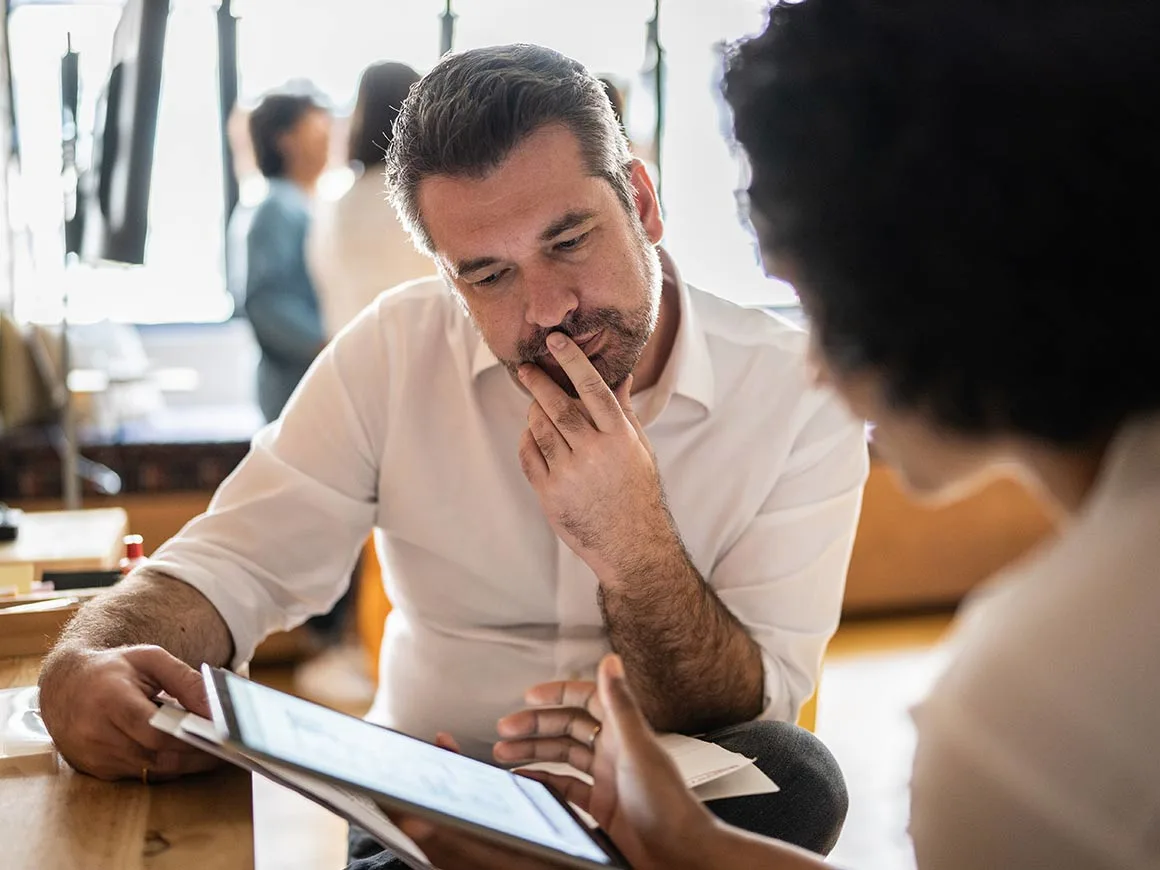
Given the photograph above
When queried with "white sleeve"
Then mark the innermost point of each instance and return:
(785, 576)
(281, 535)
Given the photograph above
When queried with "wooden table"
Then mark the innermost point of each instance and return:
(52, 818)
(83, 540)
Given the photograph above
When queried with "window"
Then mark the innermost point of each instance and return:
(702, 175)
(329, 42)
(183, 279)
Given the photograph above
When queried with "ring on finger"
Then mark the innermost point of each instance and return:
(595, 733)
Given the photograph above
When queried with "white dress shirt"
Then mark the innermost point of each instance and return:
(408, 423)
(357, 249)
(1040, 745)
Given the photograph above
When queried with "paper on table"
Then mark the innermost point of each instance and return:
(352, 806)
(22, 731)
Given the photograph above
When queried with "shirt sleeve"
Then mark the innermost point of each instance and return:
(281, 535)
(785, 576)
(280, 298)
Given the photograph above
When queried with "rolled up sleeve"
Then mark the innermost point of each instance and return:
(785, 576)
(281, 535)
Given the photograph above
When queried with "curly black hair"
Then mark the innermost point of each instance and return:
(967, 195)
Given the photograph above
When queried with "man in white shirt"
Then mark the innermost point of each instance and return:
(429, 417)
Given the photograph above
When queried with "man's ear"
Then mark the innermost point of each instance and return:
(648, 208)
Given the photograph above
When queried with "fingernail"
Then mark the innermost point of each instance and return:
(615, 667)
(522, 372)
(556, 341)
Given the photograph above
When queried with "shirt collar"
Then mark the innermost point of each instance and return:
(689, 370)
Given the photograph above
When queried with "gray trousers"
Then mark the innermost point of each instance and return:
(808, 811)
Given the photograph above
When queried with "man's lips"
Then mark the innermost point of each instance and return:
(582, 342)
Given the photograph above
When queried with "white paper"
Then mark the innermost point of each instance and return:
(22, 731)
(711, 771)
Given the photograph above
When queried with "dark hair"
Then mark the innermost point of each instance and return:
(472, 109)
(277, 114)
(381, 92)
(615, 97)
(957, 188)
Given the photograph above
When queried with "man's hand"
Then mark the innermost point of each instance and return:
(97, 704)
(561, 723)
(638, 799)
(592, 466)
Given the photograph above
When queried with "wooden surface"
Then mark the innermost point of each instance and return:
(910, 555)
(52, 818)
(84, 540)
(33, 633)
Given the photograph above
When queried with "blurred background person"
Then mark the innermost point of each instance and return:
(290, 133)
(357, 248)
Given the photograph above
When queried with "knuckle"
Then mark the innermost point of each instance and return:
(571, 417)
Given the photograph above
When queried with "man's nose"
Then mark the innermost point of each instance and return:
(549, 302)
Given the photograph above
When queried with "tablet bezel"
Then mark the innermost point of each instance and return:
(221, 704)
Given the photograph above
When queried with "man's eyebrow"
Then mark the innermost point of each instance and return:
(567, 222)
(466, 267)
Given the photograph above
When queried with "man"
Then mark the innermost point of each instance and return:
(946, 183)
(564, 352)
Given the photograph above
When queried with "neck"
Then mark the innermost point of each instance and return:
(1066, 476)
(656, 353)
(306, 182)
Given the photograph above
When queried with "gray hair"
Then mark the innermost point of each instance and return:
(472, 109)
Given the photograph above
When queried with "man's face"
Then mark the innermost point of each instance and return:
(539, 246)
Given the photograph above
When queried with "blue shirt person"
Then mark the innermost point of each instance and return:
(291, 139)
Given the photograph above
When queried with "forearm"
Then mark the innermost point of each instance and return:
(692, 664)
(152, 608)
(733, 847)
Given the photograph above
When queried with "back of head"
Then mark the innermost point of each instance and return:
(957, 189)
(466, 115)
(275, 115)
(381, 91)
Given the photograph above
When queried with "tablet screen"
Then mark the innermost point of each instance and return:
(302, 733)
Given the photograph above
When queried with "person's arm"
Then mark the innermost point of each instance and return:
(785, 576)
(139, 610)
(120, 650)
(276, 546)
(281, 302)
(691, 662)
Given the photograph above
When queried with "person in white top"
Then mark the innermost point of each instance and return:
(564, 449)
(357, 248)
(948, 185)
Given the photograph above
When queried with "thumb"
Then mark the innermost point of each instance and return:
(174, 676)
(620, 707)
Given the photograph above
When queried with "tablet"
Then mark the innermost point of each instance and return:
(404, 773)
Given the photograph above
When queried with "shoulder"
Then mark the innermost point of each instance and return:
(746, 329)
(419, 313)
(282, 206)
(760, 360)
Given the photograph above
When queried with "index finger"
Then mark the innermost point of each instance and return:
(594, 393)
(565, 693)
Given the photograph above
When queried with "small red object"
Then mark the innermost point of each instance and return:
(134, 553)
